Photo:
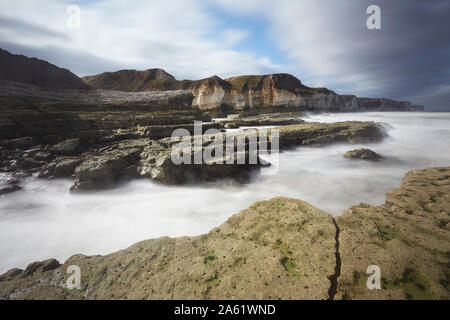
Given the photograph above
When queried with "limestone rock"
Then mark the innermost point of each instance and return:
(30, 163)
(273, 91)
(65, 167)
(363, 154)
(408, 238)
(105, 169)
(277, 249)
(260, 121)
(67, 147)
(325, 133)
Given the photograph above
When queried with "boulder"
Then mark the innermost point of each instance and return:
(65, 167)
(9, 188)
(67, 147)
(103, 170)
(30, 163)
(363, 154)
(156, 162)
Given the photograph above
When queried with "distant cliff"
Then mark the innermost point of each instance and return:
(245, 92)
(251, 92)
(18, 68)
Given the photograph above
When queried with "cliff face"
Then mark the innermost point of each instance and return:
(238, 93)
(209, 93)
(246, 92)
(18, 68)
(277, 249)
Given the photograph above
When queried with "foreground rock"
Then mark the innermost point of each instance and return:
(408, 238)
(277, 249)
(363, 154)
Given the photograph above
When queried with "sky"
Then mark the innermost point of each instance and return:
(324, 43)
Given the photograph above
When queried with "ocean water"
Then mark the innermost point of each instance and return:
(45, 221)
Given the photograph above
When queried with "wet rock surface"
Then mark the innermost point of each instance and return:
(102, 145)
(363, 154)
(277, 249)
(153, 159)
(8, 184)
(325, 133)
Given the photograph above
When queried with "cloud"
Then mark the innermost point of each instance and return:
(179, 36)
(329, 45)
(11, 28)
(325, 43)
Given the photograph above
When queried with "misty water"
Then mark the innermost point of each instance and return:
(45, 221)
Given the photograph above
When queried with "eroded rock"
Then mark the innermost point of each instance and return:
(407, 237)
(277, 249)
(104, 169)
(363, 154)
(67, 147)
(325, 133)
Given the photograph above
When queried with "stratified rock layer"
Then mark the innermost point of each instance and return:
(271, 92)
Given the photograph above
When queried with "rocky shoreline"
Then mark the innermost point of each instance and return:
(277, 249)
(97, 162)
(114, 127)
(100, 145)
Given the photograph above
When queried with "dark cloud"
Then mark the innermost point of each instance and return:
(329, 45)
(327, 42)
(29, 29)
(409, 58)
